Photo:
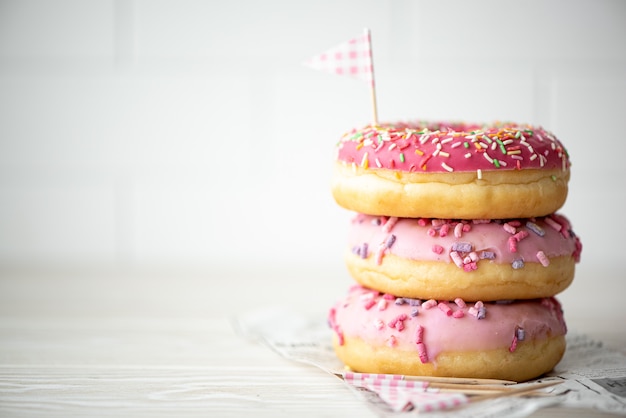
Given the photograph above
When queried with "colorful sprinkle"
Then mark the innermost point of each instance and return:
(365, 161)
(513, 343)
(458, 230)
(509, 228)
(482, 313)
(518, 263)
(456, 258)
(423, 355)
(445, 308)
(419, 334)
(543, 259)
(382, 304)
(430, 303)
(471, 266)
(397, 322)
(392, 341)
(487, 255)
(553, 224)
(391, 222)
(463, 247)
(458, 314)
(536, 150)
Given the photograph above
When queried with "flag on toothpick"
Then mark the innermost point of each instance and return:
(352, 58)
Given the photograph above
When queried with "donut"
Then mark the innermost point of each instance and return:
(490, 260)
(376, 332)
(451, 170)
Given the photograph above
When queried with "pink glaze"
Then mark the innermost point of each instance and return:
(534, 240)
(445, 147)
(433, 331)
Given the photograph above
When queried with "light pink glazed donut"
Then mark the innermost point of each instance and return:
(380, 333)
(475, 260)
(451, 170)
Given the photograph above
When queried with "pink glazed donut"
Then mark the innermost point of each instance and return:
(451, 170)
(476, 260)
(380, 333)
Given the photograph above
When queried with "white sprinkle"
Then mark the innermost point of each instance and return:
(365, 297)
(533, 157)
(479, 173)
(507, 141)
(488, 158)
(443, 154)
(445, 141)
(467, 155)
(447, 167)
(364, 160)
(456, 145)
(424, 138)
(456, 258)
(458, 230)
(378, 164)
(392, 146)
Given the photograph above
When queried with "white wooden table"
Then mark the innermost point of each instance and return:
(88, 342)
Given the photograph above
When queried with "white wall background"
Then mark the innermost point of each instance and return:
(187, 133)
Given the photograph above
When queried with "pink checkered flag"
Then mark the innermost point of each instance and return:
(352, 58)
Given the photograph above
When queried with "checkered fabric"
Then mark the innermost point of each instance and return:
(352, 58)
(403, 395)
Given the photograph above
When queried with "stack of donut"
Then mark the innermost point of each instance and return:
(456, 250)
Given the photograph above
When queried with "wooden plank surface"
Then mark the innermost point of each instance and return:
(78, 343)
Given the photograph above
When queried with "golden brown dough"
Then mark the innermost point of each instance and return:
(527, 362)
(498, 195)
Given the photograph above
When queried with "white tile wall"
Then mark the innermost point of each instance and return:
(164, 132)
